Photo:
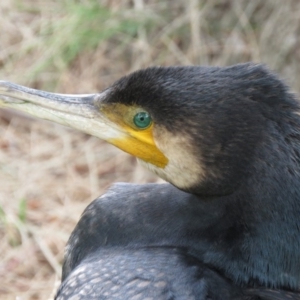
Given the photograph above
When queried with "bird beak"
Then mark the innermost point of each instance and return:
(87, 113)
(81, 112)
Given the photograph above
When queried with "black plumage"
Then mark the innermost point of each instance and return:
(140, 240)
(228, 226)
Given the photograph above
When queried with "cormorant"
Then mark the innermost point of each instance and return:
(228, 226)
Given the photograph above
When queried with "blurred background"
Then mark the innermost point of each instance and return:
(48, 173)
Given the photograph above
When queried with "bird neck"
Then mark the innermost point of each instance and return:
(251, 236)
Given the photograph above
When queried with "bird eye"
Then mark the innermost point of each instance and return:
(142, 120)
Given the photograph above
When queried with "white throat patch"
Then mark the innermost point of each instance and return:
(183, 169)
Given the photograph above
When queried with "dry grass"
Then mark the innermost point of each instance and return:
(49, 174)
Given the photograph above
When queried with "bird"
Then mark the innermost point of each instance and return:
(226, 225)
(129, 268)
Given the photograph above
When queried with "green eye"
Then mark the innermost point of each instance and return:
(142, 120)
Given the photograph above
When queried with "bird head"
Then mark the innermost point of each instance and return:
(196, 127)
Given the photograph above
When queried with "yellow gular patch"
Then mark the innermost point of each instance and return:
(137, 142)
